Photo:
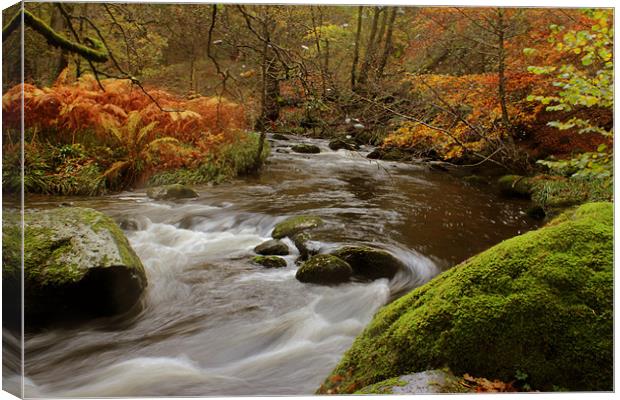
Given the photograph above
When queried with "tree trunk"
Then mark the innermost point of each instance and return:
(501, 56)
(363, 78)
(57, 23)
(387, 50)
(356, 51)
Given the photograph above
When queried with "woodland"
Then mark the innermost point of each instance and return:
(229, 199)
(525, 90)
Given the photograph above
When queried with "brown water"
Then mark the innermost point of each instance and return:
(214, 324)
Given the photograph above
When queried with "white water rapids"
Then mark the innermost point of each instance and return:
(216, 324)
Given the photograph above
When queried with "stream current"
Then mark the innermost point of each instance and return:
(214, 324)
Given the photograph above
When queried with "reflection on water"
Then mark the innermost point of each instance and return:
(215, 324)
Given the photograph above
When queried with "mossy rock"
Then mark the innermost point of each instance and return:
(306, 149)
(337, 144)
(324, 269)
(293, 225)
(540, 303)
(77, 263)
(171, 192)
(389, 154)
(279, 136)
(516, 186)
(272, 248)
(370, 263)
(425, 382)
(306, 246)
(270, 261)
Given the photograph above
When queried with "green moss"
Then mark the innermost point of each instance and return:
(324, 268)
(270, 261)
(540, 303)
(552, 194)
(515, 185)
(306, 148)
(383, 387)
(294, 225)
(58, 248)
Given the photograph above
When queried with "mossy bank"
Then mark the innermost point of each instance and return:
(539, 304)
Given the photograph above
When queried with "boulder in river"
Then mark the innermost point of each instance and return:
(370, 263)
(272, 248)
(337, 144)
(306, 148)
(294, 225)
(516, 185)
(324, 269)
(279, 136)
(540, 303)
(389, 154)
(305, 245)
(270, 261)
(77, 263)
(171, 192)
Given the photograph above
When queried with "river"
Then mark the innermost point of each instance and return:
(215, 324)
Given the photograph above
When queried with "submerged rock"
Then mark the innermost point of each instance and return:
(324, 269)
(171, 192)
(306, 148)
(270, 261)
(541, 303)
(272, 248)
(294, 225)
(77, 262)
(370, 263)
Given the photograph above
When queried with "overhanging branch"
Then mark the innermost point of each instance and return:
(53, 38)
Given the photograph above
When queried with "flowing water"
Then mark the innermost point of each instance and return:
(215, 324)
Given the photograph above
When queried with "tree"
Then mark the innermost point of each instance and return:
(587, 83)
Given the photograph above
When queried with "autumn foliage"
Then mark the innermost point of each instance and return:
(147, 130)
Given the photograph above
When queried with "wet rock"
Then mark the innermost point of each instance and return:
(389, 154)
(291, 226)
(77, 263)
(282, 151)
(516, 186)
(305, 245)
(279, 136)
(306, 148)
(370, 263)
(270, 261)
(131, 224)
(272, 248)
(337, 144)
(324, 269)
(425, 382)
(171, 192)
